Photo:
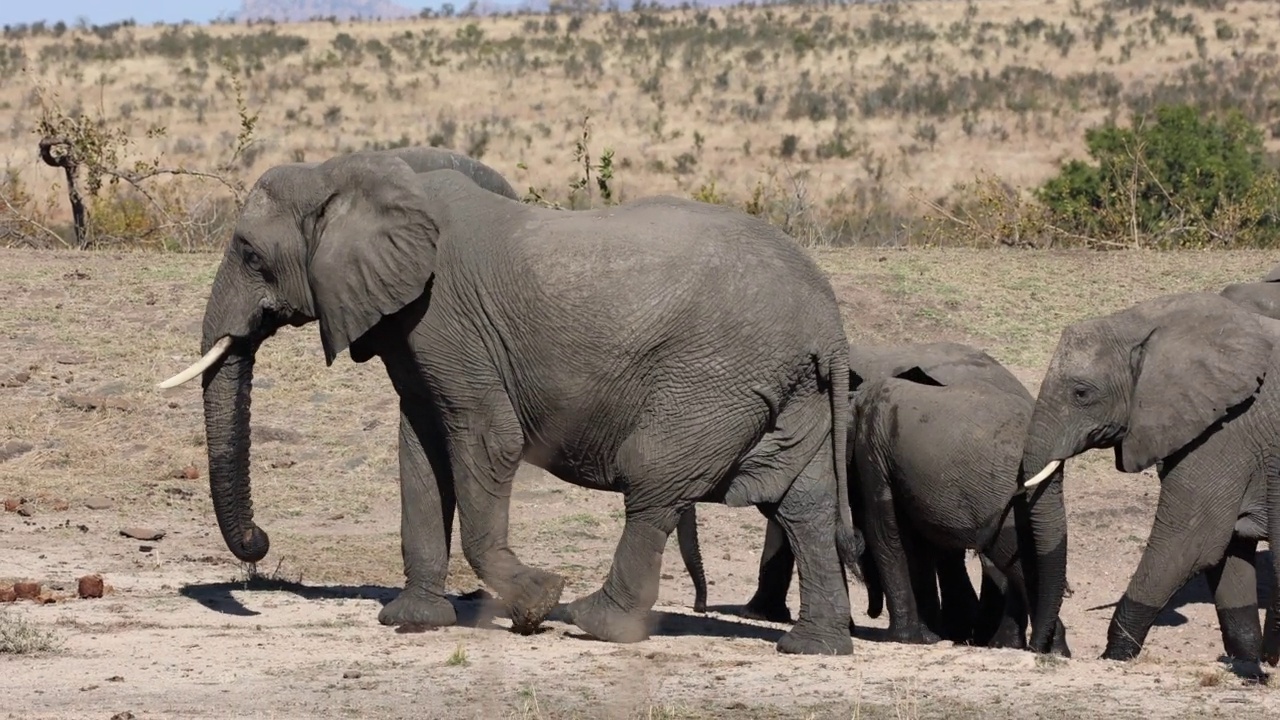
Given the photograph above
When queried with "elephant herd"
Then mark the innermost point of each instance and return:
(678, 352)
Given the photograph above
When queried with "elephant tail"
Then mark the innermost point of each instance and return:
(849, 543)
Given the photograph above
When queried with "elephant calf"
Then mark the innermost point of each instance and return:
(1184, 382)
(935, 439)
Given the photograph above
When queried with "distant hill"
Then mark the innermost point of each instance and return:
(302, 10)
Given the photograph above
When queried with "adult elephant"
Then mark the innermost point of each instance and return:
(618, 349)
(1180, 382)
(934, 446)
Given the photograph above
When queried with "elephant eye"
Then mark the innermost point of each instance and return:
(252, 259)
(1081, 394)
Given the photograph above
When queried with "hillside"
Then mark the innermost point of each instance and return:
(303, 10)
(858, 115)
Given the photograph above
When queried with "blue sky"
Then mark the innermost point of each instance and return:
(101, 12)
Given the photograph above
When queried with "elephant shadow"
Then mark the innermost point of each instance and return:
(475, 609)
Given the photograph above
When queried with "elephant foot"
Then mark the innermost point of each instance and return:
(918, 635)
(535, 594)
(770, 610)
(1060, 646)
(1241, 633)
(601, 618)
(808, 638)
(418, 607)
(1008, 636)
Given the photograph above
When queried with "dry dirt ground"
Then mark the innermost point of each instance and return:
(183, 633)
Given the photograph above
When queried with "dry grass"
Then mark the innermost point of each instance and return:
(19, 636)
(851, 112)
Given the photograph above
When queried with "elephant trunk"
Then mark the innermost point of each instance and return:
(227, 391)
(1271, 630)
(1042, 538)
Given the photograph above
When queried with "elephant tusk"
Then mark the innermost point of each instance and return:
(215, 353)
(1045, 473)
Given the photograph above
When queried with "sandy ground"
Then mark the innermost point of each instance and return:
(182, 633)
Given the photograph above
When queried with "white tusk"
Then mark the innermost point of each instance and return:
(1043, 474)
(215, 353)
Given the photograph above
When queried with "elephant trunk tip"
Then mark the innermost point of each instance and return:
(251, 546)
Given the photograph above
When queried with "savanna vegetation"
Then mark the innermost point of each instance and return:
(1095, 123)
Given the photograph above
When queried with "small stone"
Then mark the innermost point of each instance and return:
(17, 379)
(283, 464)
(97, 502)
(70, 359)
(90, 586)
(25, 510)
(11, 504)
(7, 595)
(141, 533)
(190, 472)
(351, 674)
(126, 715)
(26, 590)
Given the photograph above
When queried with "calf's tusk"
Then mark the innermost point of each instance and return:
(1045, 473)
(215, 353)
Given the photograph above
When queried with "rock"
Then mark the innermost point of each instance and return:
(141, 533)
(352, 674)
(25, 510)
(26, 590)
(97, 502)
(13, 449)
(7, 595)
(85, 401)
(126, 715)
(190, 472)
(283, 464)
(71, 359)
(90, 586)
(15, 379)
(11, 504)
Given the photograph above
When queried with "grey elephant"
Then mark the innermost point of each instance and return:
(934, 446)
(1261, 296)
(671, 350)
(1181, 382)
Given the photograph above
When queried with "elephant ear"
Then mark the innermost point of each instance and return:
(373, 246)
(1190, 370)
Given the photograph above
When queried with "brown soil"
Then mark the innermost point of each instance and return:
(93, 449)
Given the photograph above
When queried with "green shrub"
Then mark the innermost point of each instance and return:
(1175, 177)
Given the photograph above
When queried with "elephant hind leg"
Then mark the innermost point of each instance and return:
(777, 563)
(1234, 584)
(959, 603)
(807, 514)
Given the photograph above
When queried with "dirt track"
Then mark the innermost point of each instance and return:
(83, 339)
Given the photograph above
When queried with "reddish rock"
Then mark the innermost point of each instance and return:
(12, 504)
(26, 590)
(190, 472)
(7, 595)
(90, 586)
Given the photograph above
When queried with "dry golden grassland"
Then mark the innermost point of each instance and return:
(845, 121)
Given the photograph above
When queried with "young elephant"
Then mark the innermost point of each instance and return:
(1185, 382)
(934, 445)
(618, 349)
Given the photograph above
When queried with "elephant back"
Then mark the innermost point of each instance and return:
(424, 159)
(942, 363)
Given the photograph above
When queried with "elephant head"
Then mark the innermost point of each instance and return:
(345, 243)
(1146, 381)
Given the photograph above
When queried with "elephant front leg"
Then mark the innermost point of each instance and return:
(1234, 584)
(1190, 533)
(885, 543)
(426, 527)
(619, 611)
(776, 565)
(808, 516)
(485, 448)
